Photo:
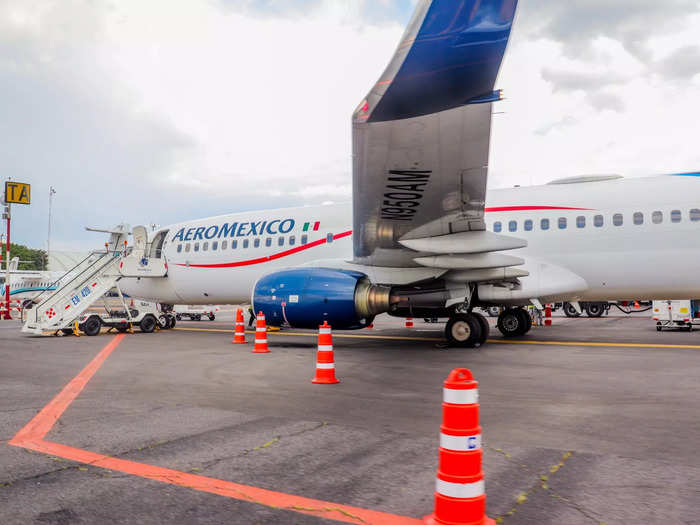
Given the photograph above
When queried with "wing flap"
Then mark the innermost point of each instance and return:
(464, 242)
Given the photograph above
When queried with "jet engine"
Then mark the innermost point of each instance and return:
(306, 297)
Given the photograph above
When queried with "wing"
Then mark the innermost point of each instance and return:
(421, 137)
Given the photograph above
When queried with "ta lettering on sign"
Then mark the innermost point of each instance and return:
(18, 192)
(403, 193)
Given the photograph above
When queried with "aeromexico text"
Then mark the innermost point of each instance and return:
(235, 229)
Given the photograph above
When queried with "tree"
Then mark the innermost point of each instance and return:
(32, 259)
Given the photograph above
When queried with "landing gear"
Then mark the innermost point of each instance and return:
(514, 322)
(465, 330)
(595, 309)
(570, 311)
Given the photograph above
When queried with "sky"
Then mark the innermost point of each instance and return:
(158, 111)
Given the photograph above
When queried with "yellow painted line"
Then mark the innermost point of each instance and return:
(312, 334)
(493, 341)
(593, 344)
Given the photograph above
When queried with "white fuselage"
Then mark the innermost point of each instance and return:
(650, 254)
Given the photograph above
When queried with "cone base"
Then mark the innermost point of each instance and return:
(431, 520)
(256, 351)
(239, 342)
(317, 381)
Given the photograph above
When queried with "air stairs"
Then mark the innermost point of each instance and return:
(87, 282)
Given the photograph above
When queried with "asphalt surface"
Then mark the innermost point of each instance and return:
(574, 431)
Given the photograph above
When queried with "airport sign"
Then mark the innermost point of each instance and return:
(18, 192)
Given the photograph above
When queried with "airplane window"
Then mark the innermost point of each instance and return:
(256, 243)
(598, 221)
(205, 246)
(638, 218)
(527, 225)
(562, 223)
(292, 240)
(196, 246)
(513, 226)
(187, 247)
(304, 239)
(224, 245)
(617, 219)
(695, 215)
(245, 243)
(544, 224)
(179, 248)
(580, 221)
(657, 217)
(329, 238)
(268, 242)
(497, 227)
(234, 245)
(280, 241)
(215, 245)
(676, 216)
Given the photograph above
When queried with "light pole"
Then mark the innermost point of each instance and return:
(52, 192)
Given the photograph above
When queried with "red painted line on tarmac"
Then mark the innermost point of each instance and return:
(31, 437)
(42, 423)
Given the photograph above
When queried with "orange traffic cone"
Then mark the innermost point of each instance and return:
(460, 498)
(239, 336)
(325, 365)
(370, 326)
(636, 305)
(261, 335)
(409, 322)
(548, 315)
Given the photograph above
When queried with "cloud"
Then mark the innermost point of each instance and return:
(682, 64)
(574, 80)
(578, 23)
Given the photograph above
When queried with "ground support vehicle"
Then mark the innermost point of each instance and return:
(144, 315)
(677, 314)
(195, 312)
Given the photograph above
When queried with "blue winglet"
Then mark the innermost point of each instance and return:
(450, 55)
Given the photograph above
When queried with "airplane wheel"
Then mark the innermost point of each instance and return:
(67, 331)
(212, 317)
(484, 325)
(148, 324)
(92, 325)
(178, 317)
(570, 311)
(197, 317)
(173, 320)
(463, 330)
(511, 322)
(122, 328)
(527, 320)
(595, 309)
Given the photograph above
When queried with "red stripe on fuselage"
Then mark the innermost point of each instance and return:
(272, 257)
(530, 208)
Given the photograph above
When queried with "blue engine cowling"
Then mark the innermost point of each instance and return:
(305, 297)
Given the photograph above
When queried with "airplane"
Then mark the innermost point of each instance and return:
(422, 237)
(25, 285)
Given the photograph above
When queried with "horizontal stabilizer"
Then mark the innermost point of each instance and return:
(465, 242)
(487, 274)
(470, 262)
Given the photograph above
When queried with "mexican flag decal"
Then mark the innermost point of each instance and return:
(307, 225)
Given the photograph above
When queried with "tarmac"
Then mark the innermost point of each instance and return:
(589, 421)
